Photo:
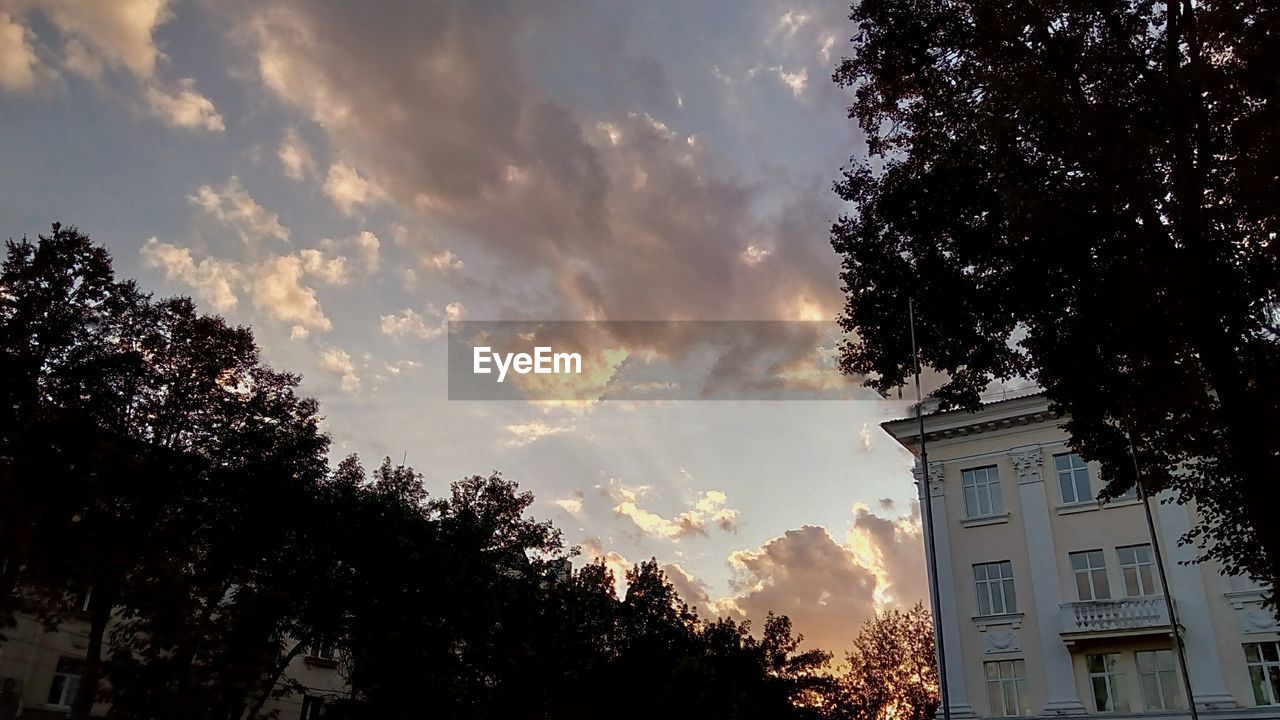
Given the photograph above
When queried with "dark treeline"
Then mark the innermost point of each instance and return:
(150, 460)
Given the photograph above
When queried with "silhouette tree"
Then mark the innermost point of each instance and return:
(148, 452)
(892, 669)
(1082, 194)
(155, 470)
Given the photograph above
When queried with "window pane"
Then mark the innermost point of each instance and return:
(1079, 561)
(1152, 698)
(1270, 651)
(1251, 653)
(993, 670)
(997, 502)
(1101, 700)
(1062, 462)
(1164, 660)
(1083, 491)
(1169, 684)
(1082, 587)
(1131, 582)
(1146, 661)
(984, 600)
(1259, 682)
(1119, 695)
(996, 698)
(1024, 698)
(1274, 672)
(970, 501)
(1068, 490)
(1126, 555)
(1094, 663)
(1148, 581)
(1010, 599)
(1101, 589)
(55, 690)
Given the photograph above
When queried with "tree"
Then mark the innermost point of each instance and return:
(1082, 194)
(892, 669)
(147, 452)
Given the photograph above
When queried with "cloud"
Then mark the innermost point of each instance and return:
(18, 61)
(331, 270)
(572, 504)
(410, 324)
(348, 189)
(295, 156)
(277, 290)
(708, 510)
(892, 548)
(213, 280)
(367, 244)
(797, 80)
(79, 59)
(691, 590)
(338, 362)
(808, 576)
(184, 107)
(829, 588)
(754, 255)
(528, 433)
(232, 206)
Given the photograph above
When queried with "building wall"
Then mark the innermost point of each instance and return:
(29, 660)
(1035, 534)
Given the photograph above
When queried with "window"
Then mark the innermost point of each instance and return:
(1007, 688)
(1264, 671)
(1090, 569)
(994, 582)
(1073, 478)
(1107, 680)
(1158, 679)
(312, 708)
(1137, 564)
(982, 492)
(321, 648)
(66, 681)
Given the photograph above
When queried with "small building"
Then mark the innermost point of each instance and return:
(1050, 603)
(40, 673)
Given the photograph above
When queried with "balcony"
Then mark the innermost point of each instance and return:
(1114, 618)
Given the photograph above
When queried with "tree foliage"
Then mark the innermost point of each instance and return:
(892, 669)
(149, 458)
(1083, 194)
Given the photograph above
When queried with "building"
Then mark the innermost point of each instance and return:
(1050, 604)
(40, 673)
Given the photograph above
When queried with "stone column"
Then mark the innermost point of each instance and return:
(948, 614)
(1063, 696)
(1191, 603)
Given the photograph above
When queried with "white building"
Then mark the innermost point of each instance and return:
(1050, 604)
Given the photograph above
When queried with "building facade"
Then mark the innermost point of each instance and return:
(1050, 604)
(40, 673)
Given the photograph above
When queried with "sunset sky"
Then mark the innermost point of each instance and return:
(345, 179)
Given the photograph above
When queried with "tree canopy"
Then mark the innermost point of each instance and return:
(1082, 194)
(153, 464)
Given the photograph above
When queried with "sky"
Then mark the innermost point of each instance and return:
(348, 177)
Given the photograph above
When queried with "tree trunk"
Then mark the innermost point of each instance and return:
(275, 677)
(100, 602)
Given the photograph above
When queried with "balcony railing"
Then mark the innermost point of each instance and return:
(1114, 615)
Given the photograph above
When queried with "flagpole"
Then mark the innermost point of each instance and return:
(1164, 580)
(926, 499)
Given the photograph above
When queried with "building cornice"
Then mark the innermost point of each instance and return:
(1005, 414)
